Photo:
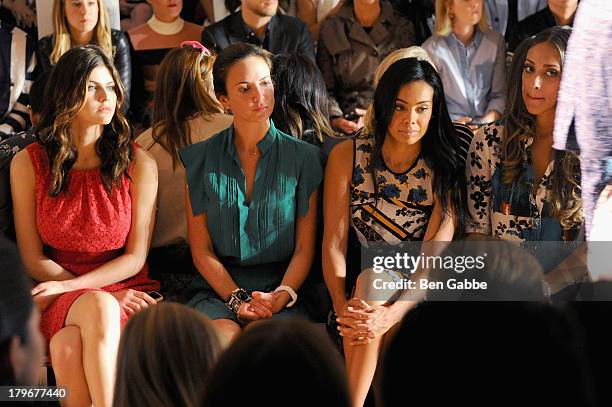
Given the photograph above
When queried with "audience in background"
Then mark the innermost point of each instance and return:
(471, 61)
(185, 111)
(391, 185)
(508, 346)
(17, 56)
(503, 15)
(14, 144)
(259, 23)
(422, 15)
(558, 12)
(300, 99)
(80, 23)
(313, 12)
(352, 43)
(21, 13)
(166, 353)
(134, 14)
(21, 344)
(84, 198)
(151, 42)
(282, 362)
(252, 202)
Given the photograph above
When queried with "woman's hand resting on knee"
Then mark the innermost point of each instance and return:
(132, 301)
(360, 322)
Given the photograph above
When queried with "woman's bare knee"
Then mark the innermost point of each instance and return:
(365, 287)
(66, 349)
(228, 328)
(95, 312)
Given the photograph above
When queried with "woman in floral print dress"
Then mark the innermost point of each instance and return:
(519, 188)
(402, 181)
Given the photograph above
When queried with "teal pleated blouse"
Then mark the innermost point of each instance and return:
(262, 231)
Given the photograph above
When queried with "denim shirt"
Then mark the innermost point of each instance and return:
(474, 77)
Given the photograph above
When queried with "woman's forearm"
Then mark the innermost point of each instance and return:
(334, 274)
(116, 270)
(43, 269)
(298, 269)
(214, 272)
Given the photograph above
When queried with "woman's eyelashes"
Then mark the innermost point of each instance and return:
(93, 88)
(549, 72)
(552, 72)
(263, 83)
(403, 108)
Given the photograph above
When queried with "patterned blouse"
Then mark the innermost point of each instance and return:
(400, 211)
(515, 213)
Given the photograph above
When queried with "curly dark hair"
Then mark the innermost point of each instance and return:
(65, 95)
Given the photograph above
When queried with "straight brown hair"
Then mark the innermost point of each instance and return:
(183, 91)
(165, 355)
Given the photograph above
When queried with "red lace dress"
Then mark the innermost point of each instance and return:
(82, 229)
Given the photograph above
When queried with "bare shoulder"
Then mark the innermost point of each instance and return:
(342, 153)
(340, 162)
(144, 162)
(22, 163)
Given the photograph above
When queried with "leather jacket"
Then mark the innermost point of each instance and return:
(284, 35)
(121, 58)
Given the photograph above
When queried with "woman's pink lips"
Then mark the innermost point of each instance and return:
(534, 98)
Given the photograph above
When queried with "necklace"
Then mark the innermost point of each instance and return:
(251, 153)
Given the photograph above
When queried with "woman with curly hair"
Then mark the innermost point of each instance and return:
(519, 188)
(84, 198)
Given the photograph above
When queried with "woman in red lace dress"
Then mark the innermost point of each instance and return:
(84, 198)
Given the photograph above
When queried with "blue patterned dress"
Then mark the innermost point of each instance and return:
(400, 210)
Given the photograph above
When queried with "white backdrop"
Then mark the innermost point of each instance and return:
(44, 12)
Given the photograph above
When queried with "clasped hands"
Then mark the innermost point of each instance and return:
(360, 322)
(262, 306)
(131, 301)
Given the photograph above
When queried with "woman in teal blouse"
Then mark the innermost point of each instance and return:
(251, 201)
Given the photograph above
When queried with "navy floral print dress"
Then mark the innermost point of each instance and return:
(516, 213)
(401, 209)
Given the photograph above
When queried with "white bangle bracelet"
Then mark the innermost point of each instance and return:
(289, 291)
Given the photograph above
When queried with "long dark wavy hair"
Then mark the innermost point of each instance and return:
(439, 145)
(65, 96)
(520, 125)
(301, 101)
